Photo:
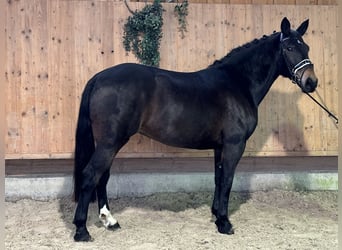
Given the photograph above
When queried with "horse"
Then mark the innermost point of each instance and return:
(213, 108)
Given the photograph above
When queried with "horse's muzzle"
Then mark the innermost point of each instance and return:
(309, 80)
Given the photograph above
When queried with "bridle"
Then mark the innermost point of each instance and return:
(295, 77)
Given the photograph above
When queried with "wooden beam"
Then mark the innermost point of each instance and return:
(174, 165)
(2, 116)
(339, 42)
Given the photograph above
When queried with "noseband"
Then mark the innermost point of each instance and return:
(302, 64)
(295, 77)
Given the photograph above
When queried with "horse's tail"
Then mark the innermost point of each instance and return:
(84, 144)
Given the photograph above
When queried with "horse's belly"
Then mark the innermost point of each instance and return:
(183, 138)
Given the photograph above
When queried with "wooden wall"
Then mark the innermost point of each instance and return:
(278, 2)
(53, 47)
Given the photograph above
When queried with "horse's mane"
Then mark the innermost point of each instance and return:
(243, 48)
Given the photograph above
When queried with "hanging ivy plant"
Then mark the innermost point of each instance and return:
(181, 12)
(143, 32)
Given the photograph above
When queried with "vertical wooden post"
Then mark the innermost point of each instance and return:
(2, 119)
(339, 79)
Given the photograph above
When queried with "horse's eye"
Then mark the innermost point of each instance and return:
(289, 48)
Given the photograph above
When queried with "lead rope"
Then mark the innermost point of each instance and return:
(324, 108)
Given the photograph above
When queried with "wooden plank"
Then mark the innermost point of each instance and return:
(171, 37)
(3, 94)
(240, 1)
(13, 73)
(175, 165)
(306, 2)
(330, 95)
(290, 2)
(40, 75)
(327, 2)
(62, 93)
(183, 153)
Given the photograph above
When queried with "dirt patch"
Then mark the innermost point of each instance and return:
(262, 220)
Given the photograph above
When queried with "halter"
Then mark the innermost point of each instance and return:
(302, 64)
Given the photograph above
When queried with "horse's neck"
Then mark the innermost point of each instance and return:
(268, 68)
(263, 72)
(260, 88)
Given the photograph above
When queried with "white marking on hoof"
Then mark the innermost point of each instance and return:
(106, 217)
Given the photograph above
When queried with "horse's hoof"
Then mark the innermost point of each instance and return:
(114, 227)
(82, 234)
(224, 226)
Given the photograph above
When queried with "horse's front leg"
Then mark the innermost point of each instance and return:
(218, 176)
(104, 214)
(232, 152)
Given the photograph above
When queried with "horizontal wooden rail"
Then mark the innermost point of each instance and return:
(170, 165)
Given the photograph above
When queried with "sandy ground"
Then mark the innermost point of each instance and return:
(262, 220)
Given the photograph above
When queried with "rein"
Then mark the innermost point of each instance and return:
(324, 108)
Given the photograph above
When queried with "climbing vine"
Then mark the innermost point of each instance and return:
(181, 12)
(143, 33)
(143, 30)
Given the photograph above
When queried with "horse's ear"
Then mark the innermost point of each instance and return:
(303, 27)
(285, 27)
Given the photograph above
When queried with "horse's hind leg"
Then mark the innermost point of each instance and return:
(93, 173)
(104, 214)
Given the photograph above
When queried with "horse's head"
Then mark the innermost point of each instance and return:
(295, 54)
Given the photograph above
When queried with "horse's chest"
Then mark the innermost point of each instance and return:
(241, 118)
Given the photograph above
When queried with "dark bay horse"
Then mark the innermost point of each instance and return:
(214, 108)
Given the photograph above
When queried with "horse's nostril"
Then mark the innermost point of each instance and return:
(311, 85)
